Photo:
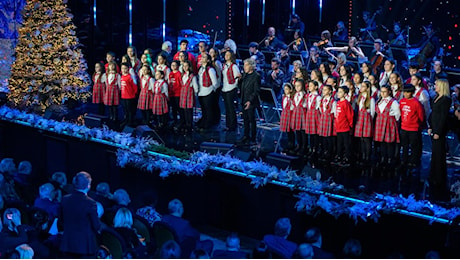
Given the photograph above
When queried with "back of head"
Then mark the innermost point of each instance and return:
(60, 178)
(82, 181)
(199, 254)
(7, 166)
(304, 251)
(313, 235)
(103, 188)
(352, 249)
(121, 197)
(233, 242)
(283, 227)
(46, 191)
(123, 218)
(176, 208)
(170, 250)
(25, 167)
(25, 251)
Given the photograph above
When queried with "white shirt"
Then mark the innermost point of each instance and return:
(314, 97)
(98, 75)
(164, 87)
(325, 102)
(299, 97)
(204, 91)
(385, 76)
(163, 68)
(236, 72)
(151, 82)
(371, 109)
(394, 109)
(111, 78)
(194, 84)
(286, 102)
(218, 73)
(424, 98)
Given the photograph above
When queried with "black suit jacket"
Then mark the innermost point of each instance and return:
(182, 227)
(81, 224)
(439, 115)
(250, 88)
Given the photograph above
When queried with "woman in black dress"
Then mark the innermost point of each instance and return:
(437, 130)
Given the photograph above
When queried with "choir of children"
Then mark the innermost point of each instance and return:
(330, 115)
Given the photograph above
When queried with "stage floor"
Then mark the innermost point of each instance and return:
(364, 180)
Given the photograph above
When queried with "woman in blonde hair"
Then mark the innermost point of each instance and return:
(438, 129)
(123, 222)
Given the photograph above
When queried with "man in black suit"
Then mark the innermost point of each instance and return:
(313, 237)
(80, 220)
(250, 88)
(233, 249)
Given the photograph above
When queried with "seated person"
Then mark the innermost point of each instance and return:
(59, 180)
(304, 251)
(256, 55)
(122, 200)
(103, 194)
(232, 251)
(7, 191)
(23, 181)
(46, 201)
(275, 77)
(149, 212)
(13, 233)
(271, 42)
(199, 254)
(313, 237)
(170, 250)
(24, 251)
(181, 226)
(123, 223)
(278, 243)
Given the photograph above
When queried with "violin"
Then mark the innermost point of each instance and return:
(377, 60)
(321, 43)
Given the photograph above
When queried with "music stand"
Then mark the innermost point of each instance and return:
(268, 102)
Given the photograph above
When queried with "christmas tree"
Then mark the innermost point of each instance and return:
(49, 68)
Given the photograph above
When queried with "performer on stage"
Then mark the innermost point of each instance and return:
(429, 47)
(145, 102)
(326, 122)
(412, 118)
(388, 68)
(162, 64)
(99, 87)
(366, 70)
(256, 55)
(189, 88)
(379, 54)
(271, 42)
(364, 127)
(343, 124)
(396, 86)
(352, 49)
(285, 118)
(438, 130)
(230, 75)
(250, 88)
(129, 91)
(275, 77)
(341, 33)
(112, 93)
(397, 37)
(217, 65)
(368, 33)
(313, 117)
(160, 99)
(297, 24)
(298, 116)
(421, 94)
(414, 69)
(314, 60)
(203, 48)
(386, 126)
(285, 60)
(207, 82)
(133, 60)
(110, 57)
(184, 48)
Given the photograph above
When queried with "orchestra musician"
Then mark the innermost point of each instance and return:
(256, 55)
(352, 49)
(297, 44)
(229, 44)
(283, 56)
(397, 37)
(341, 33)
(326, 40)
(379, 54)
(271, 42)
(368, 34)
(429, 47)
(297, 25)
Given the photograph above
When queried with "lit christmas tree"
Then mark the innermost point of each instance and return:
(49, 68)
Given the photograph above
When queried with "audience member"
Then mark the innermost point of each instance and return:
(170, 250)
(13, 233)
(80, 220)
(199, 254)
(182, 226)
(304, 251)
(103, 194)
(352, 249)
(46, 200)
(232, 251)
(149, 212)
(123, 224)
(278, 242)
(25, 251)
(313, 237)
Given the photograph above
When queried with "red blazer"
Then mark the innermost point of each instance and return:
(343, 116)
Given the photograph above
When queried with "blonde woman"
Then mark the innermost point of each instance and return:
(123, 222)
(438, 129)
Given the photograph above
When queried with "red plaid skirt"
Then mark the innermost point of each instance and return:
(285, 120)
(312, 123)
(112, 95)
(326, 124)
(187, 97)
(98, 92)
(386, 127)
(160, 104)
(145, 99)
(298, 118)
(363, 127)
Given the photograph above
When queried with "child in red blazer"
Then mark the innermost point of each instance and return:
(343, 126)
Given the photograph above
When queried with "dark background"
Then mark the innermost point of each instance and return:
(208, 16)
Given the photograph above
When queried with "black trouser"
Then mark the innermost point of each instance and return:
(207, 110)
(101, 109)
(313, 142)
(301, 139)
(365, 147)
(327, 145)
(216, 113)
(249, 117)
(174, 102)
(113, 112)
(343, 144)
(146, 115)
(387, 151)
(438, 173)
(129, 109)
(291, 139)
(230, 114)
(186, 118)
(414, 140)
(162, 120)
